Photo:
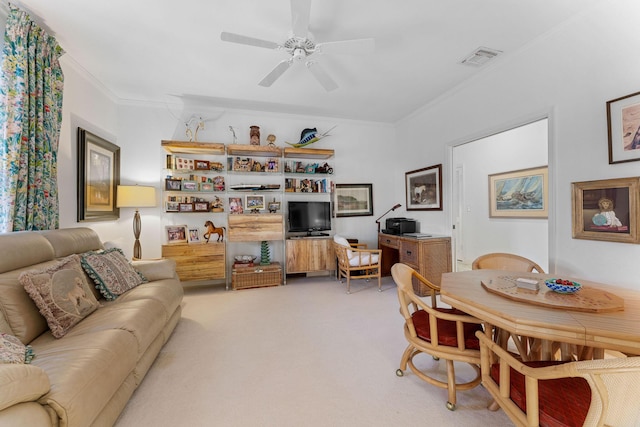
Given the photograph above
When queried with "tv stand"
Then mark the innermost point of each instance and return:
(307, 255)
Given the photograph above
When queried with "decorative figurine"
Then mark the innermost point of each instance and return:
(309, 136)
(265, 256)
(254, 135)
(212, 229)
(233, 132)
(271, 139)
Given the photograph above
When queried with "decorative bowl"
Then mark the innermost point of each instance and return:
(245, 259)
(563, 287)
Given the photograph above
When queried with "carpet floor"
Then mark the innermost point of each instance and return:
(304, 354)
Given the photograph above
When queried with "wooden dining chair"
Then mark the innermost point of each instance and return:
(443, 333)
(505, 261)
(511, 262)
(356, 261)
(587, 393)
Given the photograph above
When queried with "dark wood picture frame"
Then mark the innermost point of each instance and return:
(353, 200)
(424, 189)
(98, 178)
(623, 127)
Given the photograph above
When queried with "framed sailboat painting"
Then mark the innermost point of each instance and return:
(519, 194)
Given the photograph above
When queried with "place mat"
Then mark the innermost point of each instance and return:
(586, 299)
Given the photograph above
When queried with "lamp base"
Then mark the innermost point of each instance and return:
(137, 228)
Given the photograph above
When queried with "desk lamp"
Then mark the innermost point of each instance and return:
(392, 209)
(136, 196)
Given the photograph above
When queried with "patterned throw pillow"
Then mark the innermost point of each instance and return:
(111, 272)
(61, 293)
(13, 351)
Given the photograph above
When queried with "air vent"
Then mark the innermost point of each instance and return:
(481, 56)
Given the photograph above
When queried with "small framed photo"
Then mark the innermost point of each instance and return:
(183, 163)
(186, 207)
(206, 186)
(189, 185)
(274, 207)
(623, 125)
(271, 165)
(235, 205)
(194, 235)
(172, 184)
(201, 165)
(254, 202)
(176, 233)
(201, 206)
(606, 210)
(519, 194)
(353, 199)
(424, 189)
(172, 207)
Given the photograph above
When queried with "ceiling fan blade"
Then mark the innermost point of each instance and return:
(276, 73)
(327, 82)
(237, 38)
(300, 12)
(352, 47)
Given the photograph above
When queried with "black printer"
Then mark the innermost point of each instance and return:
(400, 226)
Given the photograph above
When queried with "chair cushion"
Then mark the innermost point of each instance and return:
(562, 402)
(363, 259)
(344, 242)
(446, 329)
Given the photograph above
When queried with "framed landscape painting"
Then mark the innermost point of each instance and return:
(424, 189)
(519, 194)
(606, 210)
(354, 200)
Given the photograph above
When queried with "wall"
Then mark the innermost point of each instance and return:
(515, 149)
(569, 74)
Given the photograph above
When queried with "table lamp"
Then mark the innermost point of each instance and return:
(392, 209)
(136, 196)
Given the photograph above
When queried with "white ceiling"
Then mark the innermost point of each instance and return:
(152, 50)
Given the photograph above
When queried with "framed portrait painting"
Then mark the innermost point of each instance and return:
(98, 178)
(519, 194)
(623, 125)
(424, 189)
(354, 200)
(606, 210)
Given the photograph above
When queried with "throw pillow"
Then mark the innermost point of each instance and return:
(111, 272)
(61, 293)
(13, 351)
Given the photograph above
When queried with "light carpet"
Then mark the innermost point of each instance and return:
(304, 354)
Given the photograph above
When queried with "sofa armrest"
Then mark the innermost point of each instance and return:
(21, 383)
(156, 269)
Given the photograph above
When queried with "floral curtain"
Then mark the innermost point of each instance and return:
(30, 117)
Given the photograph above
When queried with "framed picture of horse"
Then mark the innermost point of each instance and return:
(424, 189)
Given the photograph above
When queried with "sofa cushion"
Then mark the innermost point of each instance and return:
(111, 272)
(19, 311)
(85, 371)
(61, 293)
(167, 292)
(21, 383)
(69, 241)
(13, 351)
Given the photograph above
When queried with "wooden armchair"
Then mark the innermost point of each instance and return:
(444, 333)
(504, 261)
(591, 393)
(357, 262)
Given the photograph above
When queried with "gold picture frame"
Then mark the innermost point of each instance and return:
(521, 193)
(606, 210)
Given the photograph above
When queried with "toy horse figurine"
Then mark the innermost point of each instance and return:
(212, 229)
(309, 136)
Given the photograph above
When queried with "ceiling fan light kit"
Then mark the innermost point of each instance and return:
(301, 46)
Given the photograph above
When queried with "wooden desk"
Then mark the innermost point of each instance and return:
(619, 330)
(430, 257)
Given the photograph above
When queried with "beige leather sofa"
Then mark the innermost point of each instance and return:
(86, 377)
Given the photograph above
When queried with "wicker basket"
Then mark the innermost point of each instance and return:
(256, 276)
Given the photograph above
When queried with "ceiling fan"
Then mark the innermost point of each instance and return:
(301, 47)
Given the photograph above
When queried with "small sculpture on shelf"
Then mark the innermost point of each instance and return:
(265, 256)
(271, 139)
(212, 229)
(254, 135)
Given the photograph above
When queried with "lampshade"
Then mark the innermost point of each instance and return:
(136, 196)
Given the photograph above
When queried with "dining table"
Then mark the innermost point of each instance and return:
(598, 317)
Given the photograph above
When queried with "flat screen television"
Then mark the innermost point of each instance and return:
(309, 217)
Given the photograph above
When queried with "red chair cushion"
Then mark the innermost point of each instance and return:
(562, 402)
(446, 329)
